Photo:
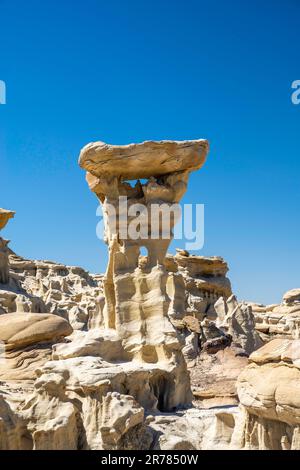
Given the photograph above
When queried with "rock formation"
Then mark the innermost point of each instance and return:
(136, 300)
(279, 321)
(5, 215)
(196, 283)
(110, 362)
(238, 320)
(269, 390)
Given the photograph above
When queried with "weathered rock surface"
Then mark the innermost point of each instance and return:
(136, 298)
(269, 389)
(108, 362)
(48, 287)
(5, 215)
(18, 329)
(124, 357)
(214, 377)
(279, 321)
(195, 283)
(143, 160)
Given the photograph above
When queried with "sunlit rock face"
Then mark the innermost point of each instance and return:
(136, 300)
(269, 390)
(195, 284)
(96, 362)
(5, 215)
(101, 362)
(279, 321)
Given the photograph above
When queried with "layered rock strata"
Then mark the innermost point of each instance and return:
(269, 391)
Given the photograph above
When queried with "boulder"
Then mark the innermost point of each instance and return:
(18, 330)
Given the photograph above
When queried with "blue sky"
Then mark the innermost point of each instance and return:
(128, 71)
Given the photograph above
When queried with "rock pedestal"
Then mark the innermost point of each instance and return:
(136, 216)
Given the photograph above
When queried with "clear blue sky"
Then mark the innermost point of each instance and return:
(127, 71)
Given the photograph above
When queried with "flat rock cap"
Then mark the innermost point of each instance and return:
(150, 158)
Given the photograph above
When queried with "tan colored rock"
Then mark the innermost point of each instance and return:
(269, 389)
(120, 413)
(5, 215)
(213, 378)
(143, 160)
(195, 284)
(136, 300)
(4, 263)
(238, 320)
(118, 379)
(48, 287)
(19, 330)
(292, 296)
(21, 364)
(51, 419)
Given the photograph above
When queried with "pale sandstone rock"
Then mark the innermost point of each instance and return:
(12, 429)
(19, 330)
(47, 287)
(95, 388)
(26, 342)
(125, 357)
(214, 376)
(196, 283)
(136, 300)
(21, 364)
(143, 160)
(51, 419)
(292, 296)
(269, 390)
(238, 320)
(4, 263)
(5, 215)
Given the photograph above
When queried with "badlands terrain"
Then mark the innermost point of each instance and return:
(156, 353)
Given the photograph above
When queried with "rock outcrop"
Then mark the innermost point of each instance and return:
(5, 215)
(110, 362)
(279, 321)
(48, 287)
(195, 283)
(269, 390)
(238, 320)
(136, 300)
